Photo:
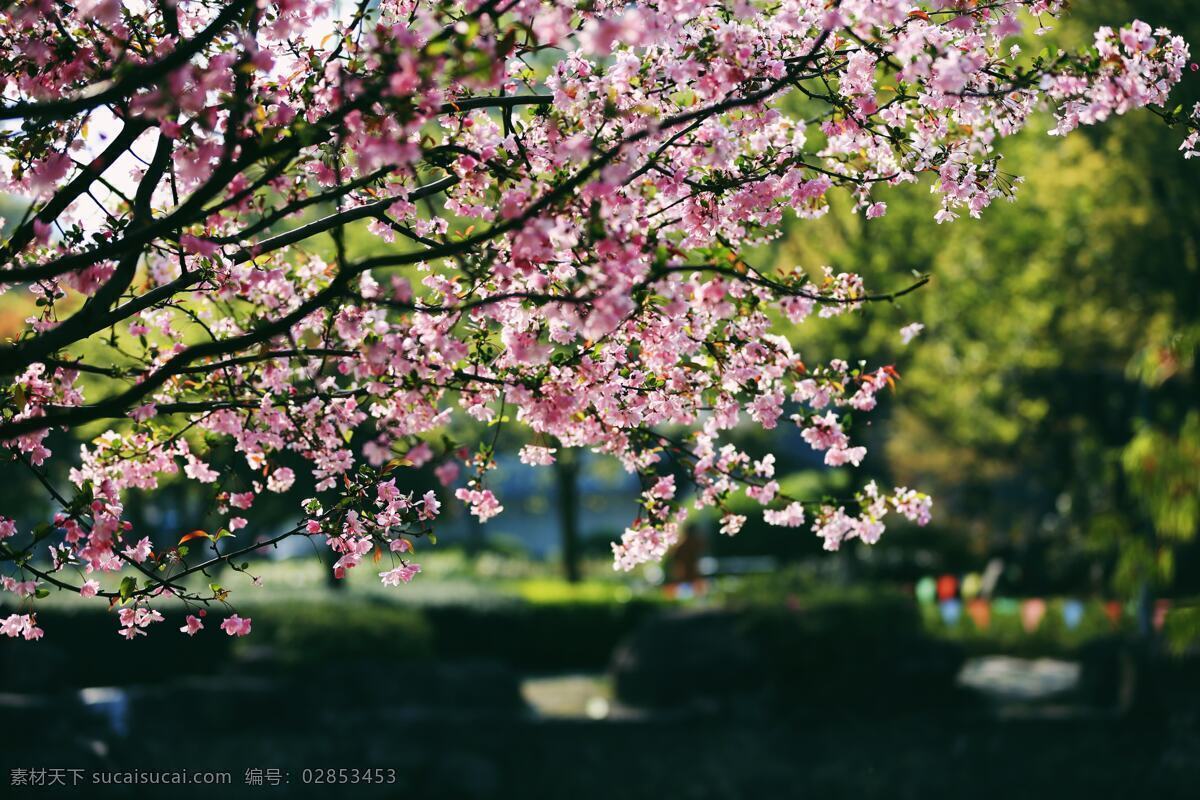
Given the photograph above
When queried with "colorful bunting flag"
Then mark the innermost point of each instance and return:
(1032, 611)
(951, 611)
(1005, 607)
(926, 590)
(1161, 607)
(980, 611)
(946, 591)
(1112, 609)
(1072, 612)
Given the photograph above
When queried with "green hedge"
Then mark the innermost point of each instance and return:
(542, 636)
(816, 637)
(854, 648)
(82, 647)
(327, 632)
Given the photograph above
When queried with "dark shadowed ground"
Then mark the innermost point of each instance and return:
(474, 747)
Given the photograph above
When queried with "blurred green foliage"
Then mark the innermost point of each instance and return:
(320, 632)
(1060, 349)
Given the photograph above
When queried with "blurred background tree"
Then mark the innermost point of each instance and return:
(1050, 406)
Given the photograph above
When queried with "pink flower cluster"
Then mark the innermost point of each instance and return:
(835, 526)
(577, 188)
(135, 620)
(23, 625)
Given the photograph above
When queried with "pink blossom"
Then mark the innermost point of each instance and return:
(44, 175)
(242, 500)
(23, 625)
(198, 471)
(482, 503)
(791, 516)
(837, 456)
(766, 409)
(22, 588)
(663, 488)
(233, 625)
(139, 552)
(642, 543)
(402, 574)
(193, 244)
(281, 480)
(824, 432)
(41, 231)
(731, 524)
(763, 494)
(143, 412)
(352, 525)
(913, 505)
(447, 472)
(430, 505)
(135, 620)
(420, 455)
(537, 456)
(910, 332)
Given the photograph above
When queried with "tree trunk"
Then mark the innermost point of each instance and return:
(566, 470)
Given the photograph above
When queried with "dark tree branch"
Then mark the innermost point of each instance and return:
(144, 75)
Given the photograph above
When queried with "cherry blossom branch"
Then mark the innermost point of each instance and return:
(144, 75)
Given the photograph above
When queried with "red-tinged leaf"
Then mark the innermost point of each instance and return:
(377, 555)
(196, 534)
(919, 14)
